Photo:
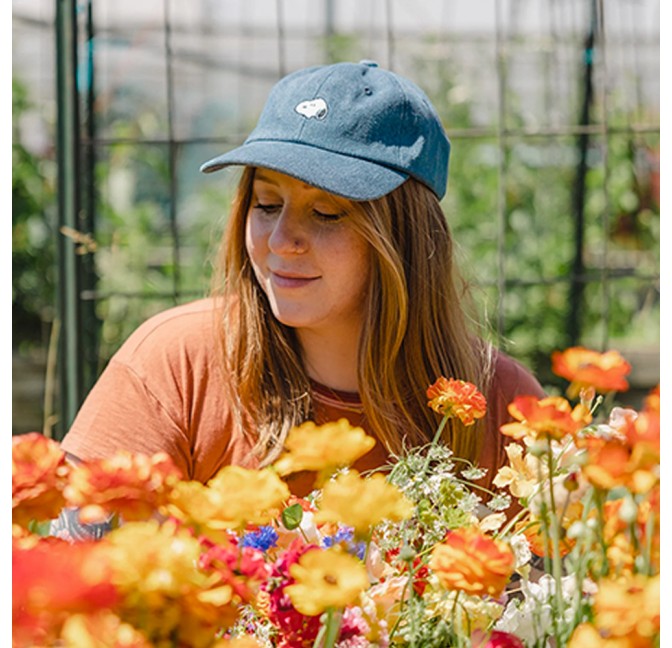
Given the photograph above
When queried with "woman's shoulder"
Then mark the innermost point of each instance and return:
(186, 331)
(510, 378)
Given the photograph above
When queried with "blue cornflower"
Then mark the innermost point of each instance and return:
(263, 538)
(345, 535)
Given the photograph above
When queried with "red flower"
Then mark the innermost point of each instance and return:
(420, 570)
(53, 580)
(457, 398)
(132, 485)
(585, 368)
(242, 568)
(39, 474)
(297, 630)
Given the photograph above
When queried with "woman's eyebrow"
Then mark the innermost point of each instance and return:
(264, 178)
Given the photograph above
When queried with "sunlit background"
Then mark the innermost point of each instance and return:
(552, 107)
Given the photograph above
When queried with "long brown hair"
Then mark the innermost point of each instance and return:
(416, 328)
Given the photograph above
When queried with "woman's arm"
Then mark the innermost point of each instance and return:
(68, 527)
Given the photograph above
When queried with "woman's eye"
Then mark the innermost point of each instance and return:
(267, 208)
(331, 217)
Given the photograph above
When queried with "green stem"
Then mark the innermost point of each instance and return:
(435, 440)
(600, 497)
(555, 540)
(332, 628)
(402, 603)
(453, 612)
(648, 542)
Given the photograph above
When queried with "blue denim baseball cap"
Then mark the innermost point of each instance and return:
(352, 129)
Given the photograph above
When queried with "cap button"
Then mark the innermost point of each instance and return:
(368, 63)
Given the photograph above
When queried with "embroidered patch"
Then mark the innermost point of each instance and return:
(316, 108)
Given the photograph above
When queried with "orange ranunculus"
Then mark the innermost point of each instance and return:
(473, 562)
(612, 462)
(652, 400)
(644, 430)
(586, 635)
(551, 418)
(132, 485)
(52, 580)
(608, 462)
(625, 540)
(457, 398)
(39, 474)
(629, 608)
(533, 530)
(585, 368)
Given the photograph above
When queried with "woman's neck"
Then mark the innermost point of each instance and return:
(331, 361)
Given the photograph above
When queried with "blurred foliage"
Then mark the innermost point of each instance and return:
(527, 247)
(33, 235)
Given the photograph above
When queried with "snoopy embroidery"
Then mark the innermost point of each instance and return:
(316, 108)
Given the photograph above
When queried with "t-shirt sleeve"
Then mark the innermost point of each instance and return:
(162, 392)
(510, 379)
(122, 413)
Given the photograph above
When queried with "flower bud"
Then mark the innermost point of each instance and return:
(571, 482)
(628, 511)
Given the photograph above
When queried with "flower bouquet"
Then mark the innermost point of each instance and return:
(565, 553)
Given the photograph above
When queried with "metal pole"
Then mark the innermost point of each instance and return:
(87, 218)
(578, 284)
(67, 145)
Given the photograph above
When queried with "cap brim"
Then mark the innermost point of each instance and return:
(339, 174)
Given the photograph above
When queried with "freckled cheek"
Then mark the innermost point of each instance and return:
(255, 251)
(254, 238)
(358, 272)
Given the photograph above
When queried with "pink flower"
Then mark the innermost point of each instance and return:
(496, 639)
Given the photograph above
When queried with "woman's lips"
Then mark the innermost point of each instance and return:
(282, 280)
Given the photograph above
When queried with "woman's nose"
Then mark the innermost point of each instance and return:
(288, 235)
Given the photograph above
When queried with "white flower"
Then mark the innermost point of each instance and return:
(528, 620)
(492, 522)
(531, 618)
(521, 549)
(562, 497)
(309, 528)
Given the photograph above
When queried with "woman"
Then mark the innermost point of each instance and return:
(337, 296)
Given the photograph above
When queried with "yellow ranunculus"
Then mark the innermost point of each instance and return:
(80, 630)
(362, 502)
(234, 497)
(248, 496)
(238, 642)
(162, 568)
(164, 593)
(324, 579)
(323, 448)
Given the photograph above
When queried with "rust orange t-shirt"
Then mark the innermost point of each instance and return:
(164, 391)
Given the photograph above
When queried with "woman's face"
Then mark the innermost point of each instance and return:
(313, 266)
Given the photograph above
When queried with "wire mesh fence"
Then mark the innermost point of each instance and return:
(551, 107)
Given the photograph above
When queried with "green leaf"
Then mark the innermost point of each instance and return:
(292, 516)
